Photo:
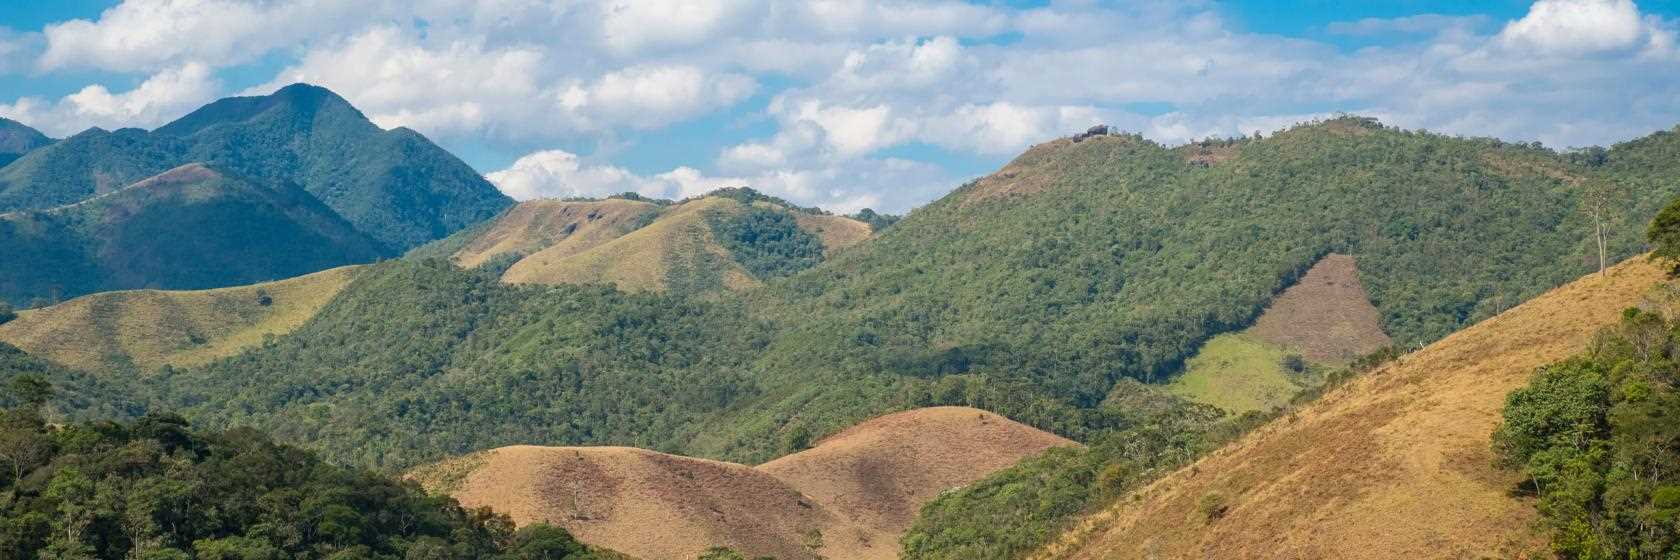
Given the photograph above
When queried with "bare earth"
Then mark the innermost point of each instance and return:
(1326, 315)
(1394, 465)
(849, 497)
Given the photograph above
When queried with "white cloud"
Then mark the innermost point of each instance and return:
(628, 26)
(141, 35)
(1576, 26)
(653, 96)
(161, 98)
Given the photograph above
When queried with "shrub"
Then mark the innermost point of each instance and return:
(1212, 506)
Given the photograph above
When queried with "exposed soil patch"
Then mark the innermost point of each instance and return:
(1326, 316)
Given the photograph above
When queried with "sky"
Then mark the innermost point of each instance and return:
(847, 104)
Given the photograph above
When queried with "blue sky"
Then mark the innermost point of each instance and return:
(847, 104)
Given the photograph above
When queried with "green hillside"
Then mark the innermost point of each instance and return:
(17, 139)
(1032, 293)
(189, 228)
(393, 186)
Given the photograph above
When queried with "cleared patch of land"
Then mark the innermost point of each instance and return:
(1236, 372)
(1396, 464)
(553, 229)
(849, 497)
(152, 328)
(1326, 316)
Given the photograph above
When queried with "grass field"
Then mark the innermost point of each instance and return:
(147, 329)
(678, 244)
(1237, 372)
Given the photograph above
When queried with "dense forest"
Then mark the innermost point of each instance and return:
(157, 489)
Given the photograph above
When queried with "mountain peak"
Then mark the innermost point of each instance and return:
(303, 104)
(17, 138)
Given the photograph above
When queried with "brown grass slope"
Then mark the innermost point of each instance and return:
(641, 260)
(1326, 316)
(836, 232)
(553, 229)
(857, 489)
(1394, 465)
(151, 328)
(880, 472)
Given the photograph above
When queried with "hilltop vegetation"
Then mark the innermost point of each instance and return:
(392, 188)
(157, 489)
(189, 228)
(17, 139)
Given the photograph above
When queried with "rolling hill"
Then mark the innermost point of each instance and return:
(191, 227)
(652, 246)
(147, 329)
(853, 493)
(17, 139)
(392, 186)
(1034, 293)
(1395, 464)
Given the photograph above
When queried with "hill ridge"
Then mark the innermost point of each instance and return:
(609, 495)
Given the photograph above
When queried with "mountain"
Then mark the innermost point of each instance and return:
(846, 498)
(191, 227)
(148, 329)
(732, 239)
(393, 185)
(1395, 464)
(1035, 292)
(17, 139)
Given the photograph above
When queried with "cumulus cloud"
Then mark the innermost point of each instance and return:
(161, 98)
(1577, 26)
(140, 35)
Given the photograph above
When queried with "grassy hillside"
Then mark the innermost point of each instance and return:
(1395, 464)
(731, 240)
(853, 493)
(552, 229)
(1033, 293)
(393, 186)
(147, 329)
(191, 227)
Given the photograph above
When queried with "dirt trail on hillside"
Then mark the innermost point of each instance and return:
(1395, 465)
(848, 498)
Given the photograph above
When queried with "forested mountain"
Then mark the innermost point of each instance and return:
(393, 186)
(1033, 293)
(17, 139)
(194, 226)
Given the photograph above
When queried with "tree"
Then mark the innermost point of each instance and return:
(1664, 235)
(30, 390)
(1599, 198)
(6, 313)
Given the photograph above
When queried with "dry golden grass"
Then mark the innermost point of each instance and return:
(151, 328)
(638, 261)
(1326, 316)
(836, 232)
(880, 472)
(1394, 465)
(858, 489)
(553, 229)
